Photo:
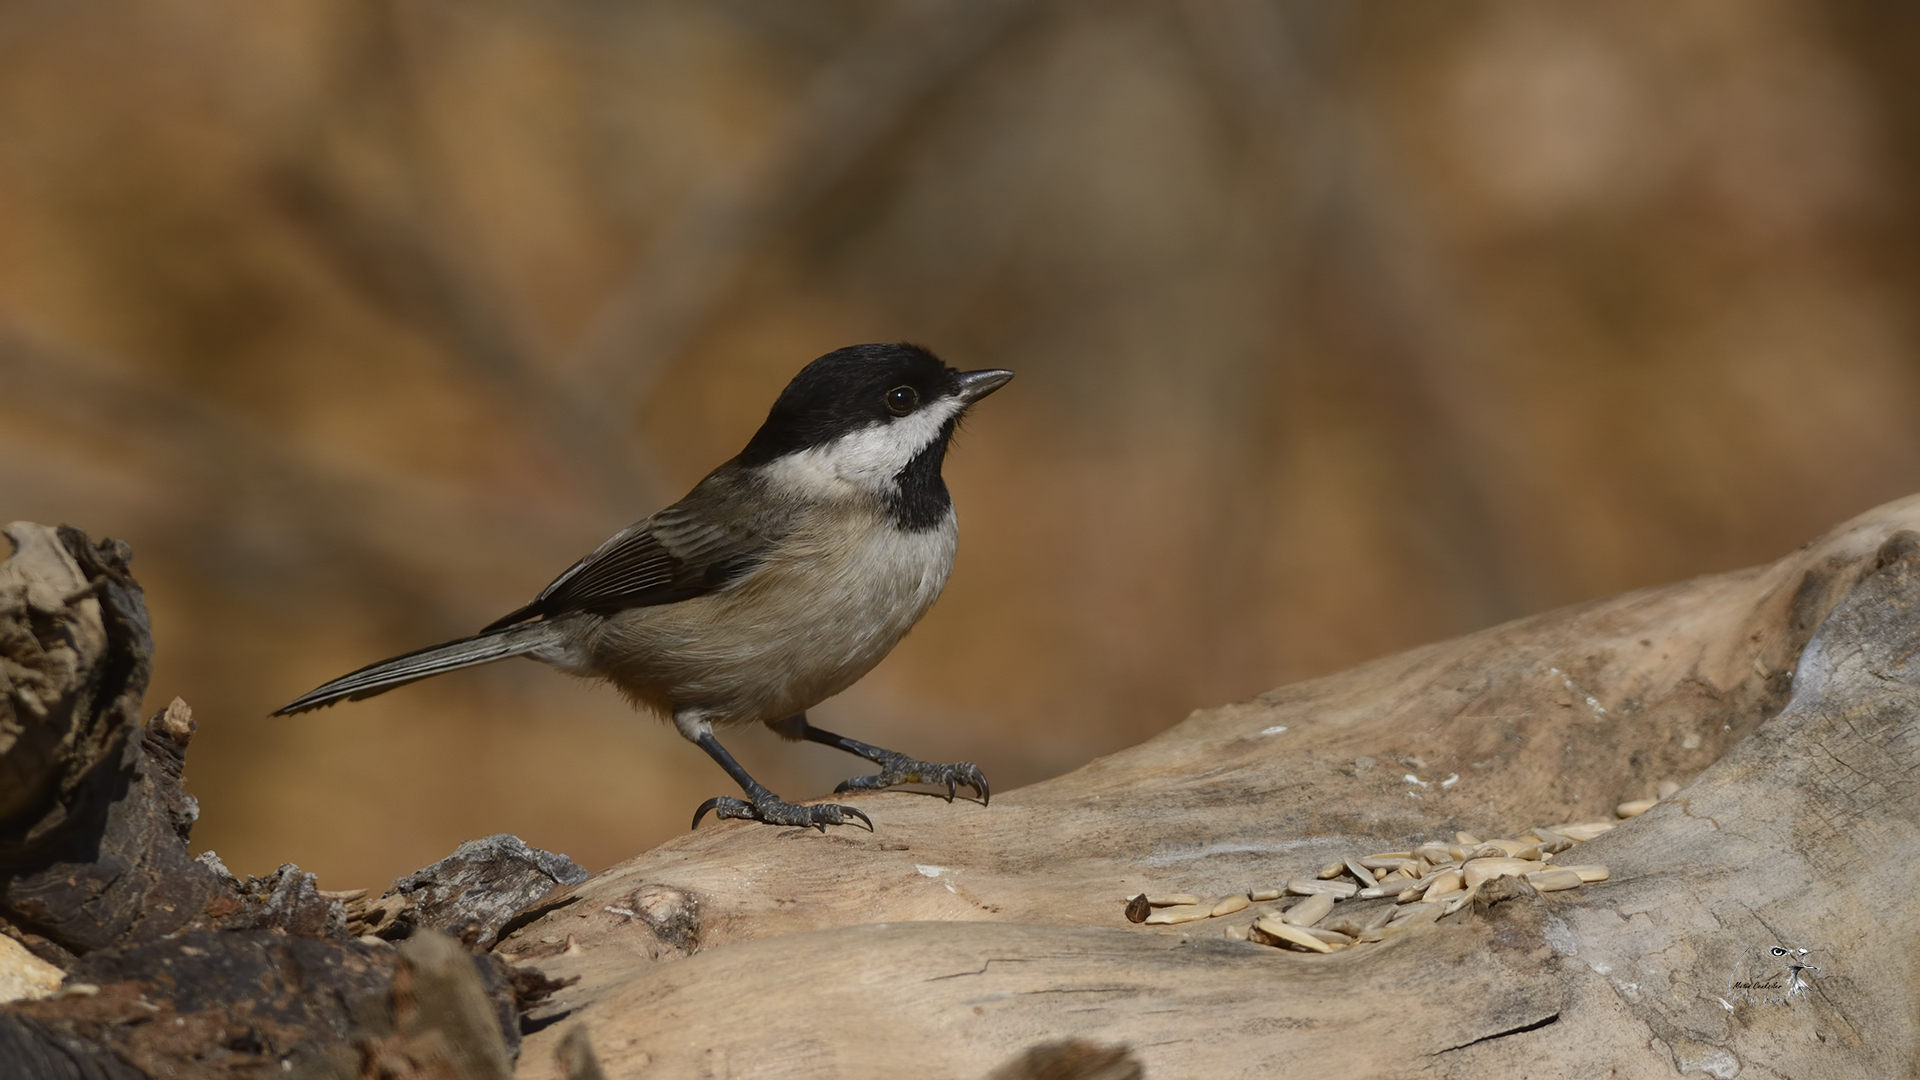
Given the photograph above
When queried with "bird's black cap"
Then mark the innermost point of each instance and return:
(848, 389)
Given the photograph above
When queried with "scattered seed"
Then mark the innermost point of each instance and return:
(1339, 889)
(1460, 901)
(1552, 843)
(1309, 911)
(1430, 882)
(1417, 915)
(1484, 870)
(1354, 923)
(1553, 880)
(1230, 904)
(1635, 808)
(1447, 881)
(1184, 913)
(1350, 925)
(1584, 831)
(1668, 789)
(1285, 932)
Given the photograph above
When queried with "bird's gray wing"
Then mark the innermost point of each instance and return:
(695, 546)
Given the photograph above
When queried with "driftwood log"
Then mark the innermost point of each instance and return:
(1782, 700)
(1754, 922)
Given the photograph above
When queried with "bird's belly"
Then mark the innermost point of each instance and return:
(785, 637)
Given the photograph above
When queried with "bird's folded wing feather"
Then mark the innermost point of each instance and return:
(678, 553)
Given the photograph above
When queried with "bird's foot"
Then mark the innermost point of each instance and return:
(901, 769)
(775, 811)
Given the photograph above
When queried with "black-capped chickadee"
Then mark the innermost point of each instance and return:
(780, 580)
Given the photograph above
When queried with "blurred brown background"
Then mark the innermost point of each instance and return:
(1340, 327)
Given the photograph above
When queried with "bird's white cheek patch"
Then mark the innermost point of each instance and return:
(868, 459)
(808, 474)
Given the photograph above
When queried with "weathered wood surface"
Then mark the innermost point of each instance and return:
(954, 936)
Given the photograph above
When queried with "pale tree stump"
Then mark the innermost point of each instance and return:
(955, 937)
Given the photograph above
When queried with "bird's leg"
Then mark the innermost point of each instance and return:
(895, 768)
(761, 804)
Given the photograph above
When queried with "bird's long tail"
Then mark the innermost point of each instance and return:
(421, 664)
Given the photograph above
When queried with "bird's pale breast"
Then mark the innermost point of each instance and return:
(807, 624)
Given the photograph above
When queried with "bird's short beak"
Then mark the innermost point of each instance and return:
(971, 386)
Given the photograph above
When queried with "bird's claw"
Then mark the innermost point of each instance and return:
(775, 811)
(900, 769)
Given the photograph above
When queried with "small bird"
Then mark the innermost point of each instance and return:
(780, 580)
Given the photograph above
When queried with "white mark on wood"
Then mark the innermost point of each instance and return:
(1592, 702)
(1560, 937)
(1715, 1063)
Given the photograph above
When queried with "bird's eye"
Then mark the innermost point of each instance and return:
(902, 399)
